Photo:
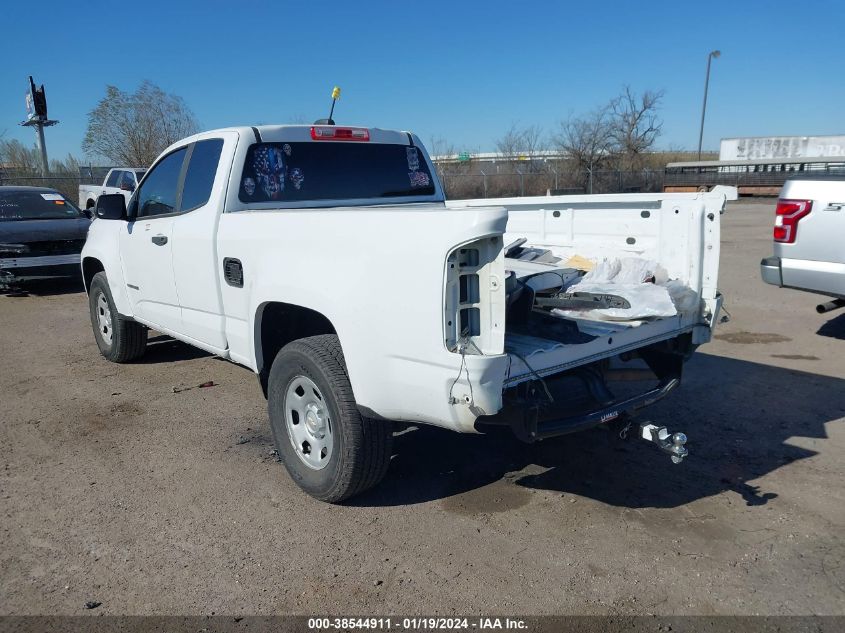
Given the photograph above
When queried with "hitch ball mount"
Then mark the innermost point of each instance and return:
(670, 443)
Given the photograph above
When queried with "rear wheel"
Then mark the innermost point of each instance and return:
(120, 339)
(327, 447)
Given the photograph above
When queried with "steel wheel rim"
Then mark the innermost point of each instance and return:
(104, 323)
(308, 423)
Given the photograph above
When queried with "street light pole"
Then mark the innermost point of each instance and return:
(710, 57)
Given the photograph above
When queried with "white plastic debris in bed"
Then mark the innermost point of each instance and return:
(626, 271)
(642, 282)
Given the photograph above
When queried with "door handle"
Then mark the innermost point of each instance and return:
(159, 240)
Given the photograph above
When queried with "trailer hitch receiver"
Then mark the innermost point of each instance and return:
(670, 443)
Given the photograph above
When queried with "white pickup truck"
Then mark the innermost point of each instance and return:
(808, 239)
(122, 180)
(327, 261)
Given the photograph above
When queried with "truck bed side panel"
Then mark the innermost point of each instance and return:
(377, 274)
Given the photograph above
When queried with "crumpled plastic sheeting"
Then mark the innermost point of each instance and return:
(630, 278)
(647, 301)
(684, 297)
(628, 270)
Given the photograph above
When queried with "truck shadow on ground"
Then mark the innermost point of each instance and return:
(835, 328)
(739, 415)
(164, 349)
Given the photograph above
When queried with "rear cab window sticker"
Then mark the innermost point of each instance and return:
(249, 186)
(413, 158)
(296, 177)
(419, 179)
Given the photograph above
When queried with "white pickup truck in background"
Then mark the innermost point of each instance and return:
(326, 260)
(122, 180)
(809, 240)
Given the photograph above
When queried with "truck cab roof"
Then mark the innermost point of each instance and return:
(300, 132)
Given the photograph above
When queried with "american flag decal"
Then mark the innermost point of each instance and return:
(419, 179)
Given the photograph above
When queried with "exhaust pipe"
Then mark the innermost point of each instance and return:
(830, 306)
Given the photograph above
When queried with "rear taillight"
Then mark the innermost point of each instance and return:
(787, 215)
(331, 133)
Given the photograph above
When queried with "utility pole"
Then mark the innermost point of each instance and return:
(710, 56)
(36, 116)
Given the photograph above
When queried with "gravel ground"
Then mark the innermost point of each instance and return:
(119, 490)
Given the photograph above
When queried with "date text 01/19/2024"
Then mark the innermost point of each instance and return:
(416, 624)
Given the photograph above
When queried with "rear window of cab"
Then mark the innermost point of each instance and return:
(291, 172)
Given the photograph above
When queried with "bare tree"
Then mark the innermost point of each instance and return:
(588, 140)
(15, 156)
(134, 128)
(70, 165)
(634, 124)
(441, 148)
(521, 143)
(524, 145)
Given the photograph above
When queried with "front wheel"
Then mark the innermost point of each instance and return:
(120, 339)
(327, 447)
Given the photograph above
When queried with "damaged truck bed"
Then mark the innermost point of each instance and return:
(602, 293)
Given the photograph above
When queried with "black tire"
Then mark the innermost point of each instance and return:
(128, 337)
(361, 448)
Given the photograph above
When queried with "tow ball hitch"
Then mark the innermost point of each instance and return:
(670, 443)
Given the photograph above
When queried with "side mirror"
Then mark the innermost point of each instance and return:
(111, 206)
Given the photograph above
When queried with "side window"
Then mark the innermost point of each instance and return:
(200, 175)
(112, 181)
(127, 181)
(157, 195)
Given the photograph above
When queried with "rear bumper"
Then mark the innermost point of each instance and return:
(770, 271)
(563, 426)
(542, 410)
(826, 278)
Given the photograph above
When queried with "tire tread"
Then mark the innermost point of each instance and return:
(129, 338)
(366, 454)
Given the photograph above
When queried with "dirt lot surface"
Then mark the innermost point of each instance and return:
(117, 489)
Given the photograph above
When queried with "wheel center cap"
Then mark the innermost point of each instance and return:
(313, 420)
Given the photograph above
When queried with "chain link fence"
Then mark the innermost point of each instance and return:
(518, 184)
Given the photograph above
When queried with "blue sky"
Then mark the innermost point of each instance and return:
(464, 71)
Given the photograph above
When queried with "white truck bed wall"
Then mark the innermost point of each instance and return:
(676, 230)
(680, 231)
